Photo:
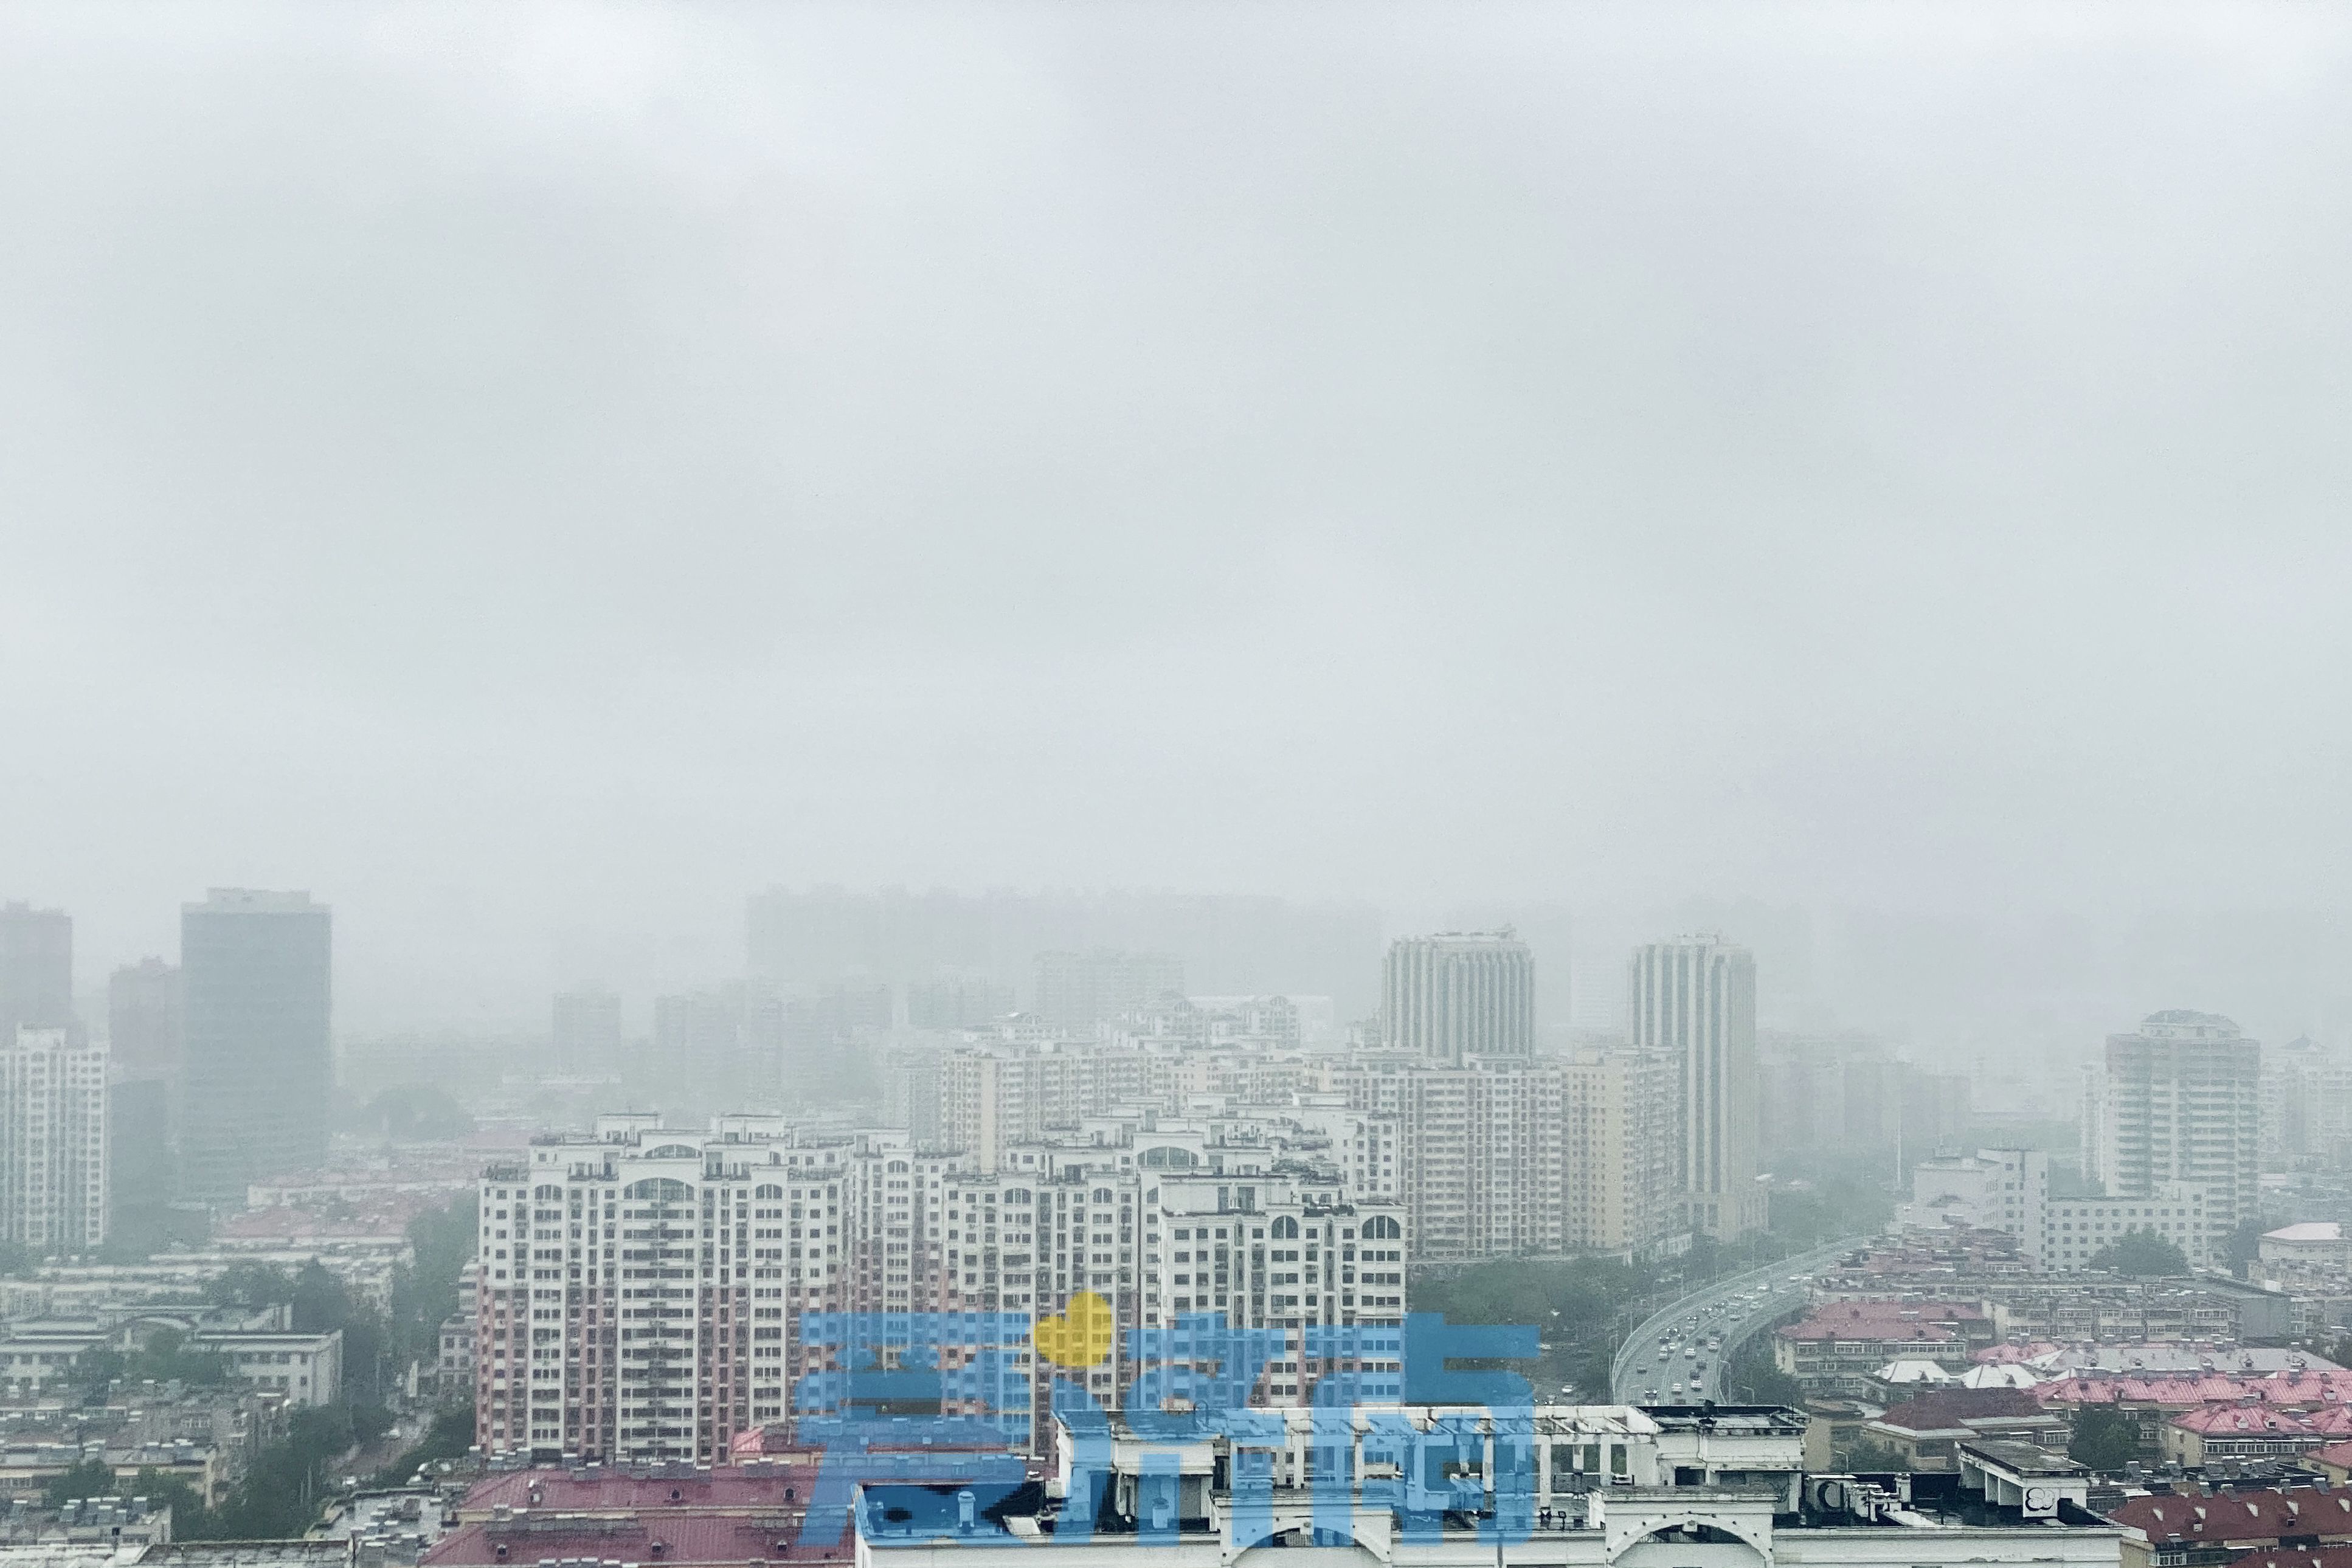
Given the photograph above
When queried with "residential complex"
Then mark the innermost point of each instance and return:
(2180, 1108)
(1077, 991)
(53, 1152)
(1693, 999)
(647, 1294)
(1456, 997)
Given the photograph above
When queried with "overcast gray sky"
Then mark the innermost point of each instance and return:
(520, 470)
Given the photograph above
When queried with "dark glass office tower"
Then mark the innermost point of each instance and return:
(257, 1062)
(35, 969)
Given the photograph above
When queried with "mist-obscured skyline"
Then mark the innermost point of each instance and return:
(535, 477)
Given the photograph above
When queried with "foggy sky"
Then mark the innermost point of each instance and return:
(534, 475)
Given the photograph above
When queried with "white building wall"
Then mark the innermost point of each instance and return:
(53, 1149)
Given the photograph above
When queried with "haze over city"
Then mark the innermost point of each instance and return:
(814, 784)
(537, 478)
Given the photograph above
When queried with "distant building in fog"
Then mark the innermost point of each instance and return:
(1693, 999)
(145, 1025)
(1901, 1107)
(698, 1046)
(53, 1127)
(1075, 991)
(910, 1091)
(1233, 945)
(35, 969)
(956, 1002)
(2182, 1101)
(1458, 995)
(144, 1020)
(257, 1054)
(585, 1032)
(2306, 1111)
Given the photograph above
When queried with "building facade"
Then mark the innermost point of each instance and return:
(1452, 997)
(1617, 1169)
(585, 1032)
(257, 1057)
(1694, 999)
(53, 1148)
(2181, 1102)
(1079, 990)
(646, 1294)
(36, 968)
(144, 1021)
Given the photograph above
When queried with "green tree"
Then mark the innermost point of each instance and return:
(2142, 1254)
(1573, 1306)
(96, 1370)
(1865, 1456)
(191, 1520)
(2105, 1438)
(250, 1284)
(2245, 1246)
(451, 1434)
(1757, 1380)
(89, 1477)
(167, 1358)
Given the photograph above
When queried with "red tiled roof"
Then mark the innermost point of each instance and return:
(2217, 1388)
(2263, 1513)
(1926, 1322)
(2323, 1557)
(733, 1488)
(673, 1540)
(2224, 1419)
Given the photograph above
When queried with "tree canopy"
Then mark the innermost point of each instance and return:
(2105, 1438)
(2142, 1254)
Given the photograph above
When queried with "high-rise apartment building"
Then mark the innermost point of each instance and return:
(1495, 1158)
(1076, 991)
(585, 1029)
(1452, 998)
(635, 1303)
(53, 1153)
(258, 1055)
(1617, 1166)
(1479, 1151)
(645, 1293)
(1502, 1158)
(956, 1002)
(2306, 1106)
(35, 969)
(2182, 1101)
(1694, 999)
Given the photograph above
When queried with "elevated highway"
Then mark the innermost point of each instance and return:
(1731, 1310)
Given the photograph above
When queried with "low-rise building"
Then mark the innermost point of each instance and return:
(118, 1522)
(39, 1357)
(2249, 1431)
(2191, 1526)
(1417, 1488)
(1929, 1432)
(2313, 1244)
(1839, 1345)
